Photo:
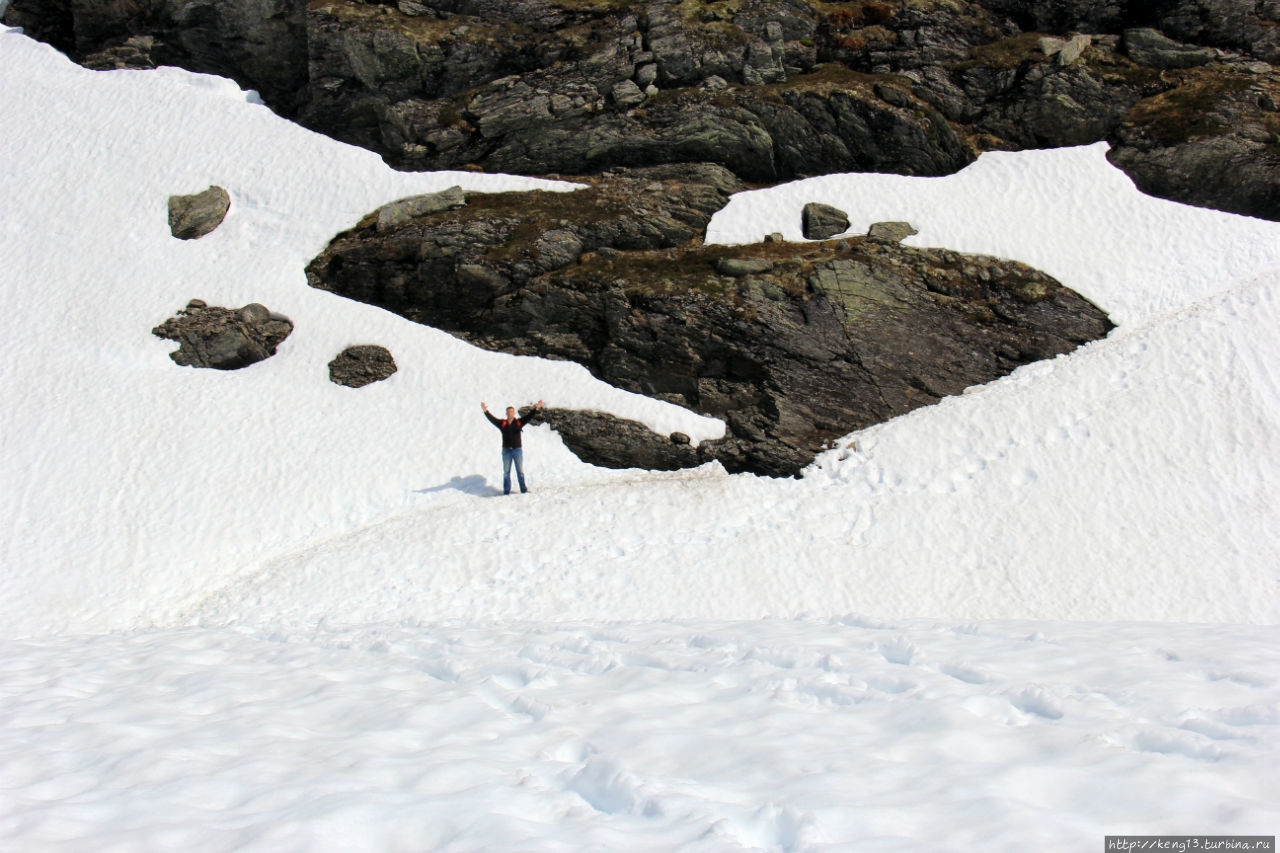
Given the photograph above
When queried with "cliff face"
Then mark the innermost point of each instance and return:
(793, 345)
(772, 89)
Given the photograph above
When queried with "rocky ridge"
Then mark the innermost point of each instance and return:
(1184, 90)
(792, 345)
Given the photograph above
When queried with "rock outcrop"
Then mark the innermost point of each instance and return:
(792, 345)
(361, 365)
(193, 216)
(223, 338)
(1213, 141)
(771, 89)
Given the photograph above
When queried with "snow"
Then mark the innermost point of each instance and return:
(714, 736)
(258, 611)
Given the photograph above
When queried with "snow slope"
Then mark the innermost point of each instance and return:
(255, 610)
(145, 493)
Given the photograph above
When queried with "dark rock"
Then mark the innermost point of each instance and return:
(770, 89)
(1027, 99)
(135, 53)
(890, 232)
(820, 221)
(193, 216)
(1240, 25)
(261, 44)
(1212, 141)
(361, 365)
(814, 343)
(223, 338)
(600, 438)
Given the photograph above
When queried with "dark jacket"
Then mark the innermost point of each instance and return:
(511, 428)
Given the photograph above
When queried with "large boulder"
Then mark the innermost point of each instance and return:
(223, 338)
(193, 216)
(820, 221)
(600, 438)
(361, 365)
(791, 344)
(890, 232)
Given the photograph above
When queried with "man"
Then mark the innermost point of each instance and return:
(511, 449)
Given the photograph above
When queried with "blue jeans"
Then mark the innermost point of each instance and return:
(509, 455)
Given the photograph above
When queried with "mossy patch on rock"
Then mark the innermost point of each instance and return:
(1194, 108)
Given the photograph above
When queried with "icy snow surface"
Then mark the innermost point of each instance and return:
(255, 610)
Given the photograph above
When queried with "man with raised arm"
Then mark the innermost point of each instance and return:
(511, 448)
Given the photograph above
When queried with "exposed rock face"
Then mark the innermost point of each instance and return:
(1213, 141)
(361, 365)
(820, 221)
(1239, 25)
(223, 338)
(771, 89)
(259, 43)
(791, 344)
(193, 216)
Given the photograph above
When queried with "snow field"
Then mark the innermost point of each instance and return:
(257, 611)
(771, 735)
